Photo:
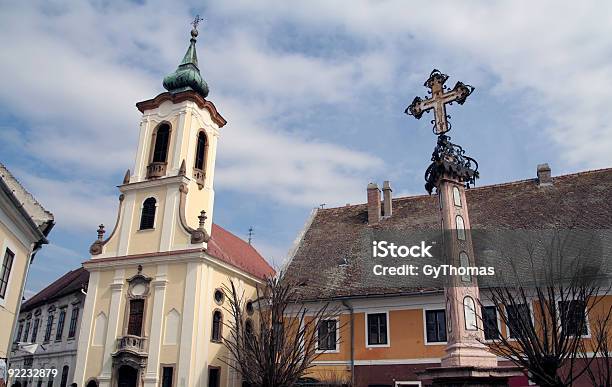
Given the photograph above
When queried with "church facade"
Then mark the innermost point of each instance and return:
(154, 310)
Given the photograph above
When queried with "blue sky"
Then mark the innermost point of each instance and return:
(314, 93)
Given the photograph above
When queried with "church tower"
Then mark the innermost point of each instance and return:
(153, 314)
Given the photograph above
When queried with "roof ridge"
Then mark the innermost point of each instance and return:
(5, 171)
(71, 276)
(484, 187)
(245, 243)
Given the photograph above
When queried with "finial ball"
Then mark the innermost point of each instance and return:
(194, 33)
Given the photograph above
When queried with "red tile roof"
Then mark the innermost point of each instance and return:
(71, 282)
(334, 252)
(229, 248)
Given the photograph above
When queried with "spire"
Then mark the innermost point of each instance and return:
(187, 76)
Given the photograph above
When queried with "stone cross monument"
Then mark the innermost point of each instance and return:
(467, 361)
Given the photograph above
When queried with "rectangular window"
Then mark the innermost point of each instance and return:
(167, 376)
(135, 319)
(19, 332)
(573, 317)
(49, 327)
(35, 330)
(377, 329)
(435, 323)
(489, 322)
(60, 325)
(519, 319)
(74, 318)
(214, 377)
(5, 272)
(26, 333)
(326, 332)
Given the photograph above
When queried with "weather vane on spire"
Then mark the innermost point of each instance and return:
(196, 21)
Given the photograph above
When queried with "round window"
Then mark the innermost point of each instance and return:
(219, 296)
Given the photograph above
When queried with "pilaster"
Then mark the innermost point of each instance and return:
(85, 332)
(178, 145)
(151, 377)
(185, 364)
(113, 324)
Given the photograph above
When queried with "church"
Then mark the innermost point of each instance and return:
(154, 310)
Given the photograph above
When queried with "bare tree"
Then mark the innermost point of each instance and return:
(278, 343)
(551, 282)
(600, 371)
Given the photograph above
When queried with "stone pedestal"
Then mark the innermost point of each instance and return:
(470, 376)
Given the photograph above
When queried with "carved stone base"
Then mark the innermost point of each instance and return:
(470, 376)
(468, 354)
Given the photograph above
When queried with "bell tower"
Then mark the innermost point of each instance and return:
(166, 202)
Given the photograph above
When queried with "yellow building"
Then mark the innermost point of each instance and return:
(391, 328)
(154, 311)
(24, 226)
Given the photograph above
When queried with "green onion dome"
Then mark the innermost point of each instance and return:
(187, 76)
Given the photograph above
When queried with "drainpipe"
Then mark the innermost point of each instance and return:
(352, 328)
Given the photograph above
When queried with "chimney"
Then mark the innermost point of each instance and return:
(387, 204)
(544, 174)
(373, 203)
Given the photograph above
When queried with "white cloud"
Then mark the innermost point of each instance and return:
(77, 205)
(78, 88)
(558, 56)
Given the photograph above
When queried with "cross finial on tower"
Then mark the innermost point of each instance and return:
(438, 100)
(194, 31)
(250, 234)
(196, 21)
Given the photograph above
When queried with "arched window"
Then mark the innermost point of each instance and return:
(200, 151)
(147, 219)
(248, 329)
(64, 379)
(217, 324)
(469, 311)
(92, 383)
(162, 139)
(464, 261)
(456, 197)
(460, 228)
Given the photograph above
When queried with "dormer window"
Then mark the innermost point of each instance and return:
(147, 218)
(159, 157)
(200, 159)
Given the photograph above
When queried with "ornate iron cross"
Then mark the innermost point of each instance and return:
(438, 100)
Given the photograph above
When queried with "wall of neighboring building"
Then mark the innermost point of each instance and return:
(14, 239)
(407, 352)
(56, 352)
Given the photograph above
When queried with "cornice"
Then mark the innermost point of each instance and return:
(151, 183)
(181, 97)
